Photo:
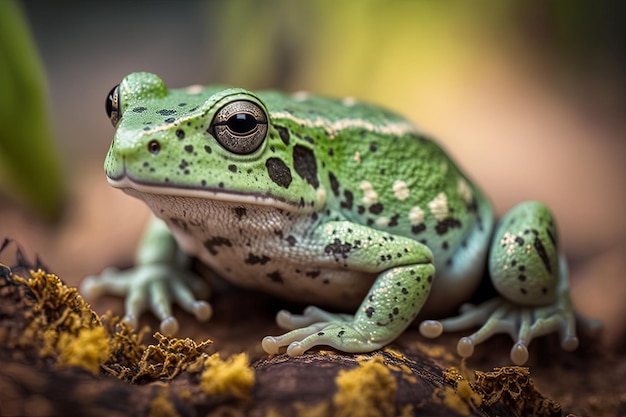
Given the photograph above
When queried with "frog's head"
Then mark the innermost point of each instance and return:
(211, 143)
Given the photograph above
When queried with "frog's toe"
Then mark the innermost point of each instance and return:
(310, 315)
(130, 320)
(169, 326)
(274, 344)
(519, 353)
(431, 328)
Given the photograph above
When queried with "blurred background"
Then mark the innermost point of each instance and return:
(527, 96)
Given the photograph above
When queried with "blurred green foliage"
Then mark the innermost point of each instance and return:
(29, 166)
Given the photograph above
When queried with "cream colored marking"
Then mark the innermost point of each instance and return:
(416, 215)
(382, 221)
(439, 206)
(357, 157)
(348, 101)
(300, 95)
(194, 89)
(321, 196)
(332, 127)
(370, 196)
(400, 190)
(465, 190)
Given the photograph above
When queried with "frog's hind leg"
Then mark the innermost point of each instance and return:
(533, 281)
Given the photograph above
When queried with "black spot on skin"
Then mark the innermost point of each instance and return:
(139, 109)
(207, 149)
(305, 164)
(544, 290)
(338, 248)
(283, 133)
(183, 164)
(214, 242)
(430, 279)
(341, 333)
(396, 311)
(444, 246)
(373, 147)
(360, 209)
(166, 112)
(169, 120)
(541, 251)
(393, 221)
(240, 212)
(180, 134)
(203, 183)
(331, 152)
(519, 241)
(189, 148)
(254, 260)
(376, 208)
(279, 172)
(444, 225)
(521, 277)
(551, 237)
(405, 291)
(312, 274)
(418, 228)
(370, 312)
(334, 183)
(521, 268)
(291, 240)
(309, 139)
(232, 168)
(523, 291)
(276, 277)
(349, 199)
(320, 334)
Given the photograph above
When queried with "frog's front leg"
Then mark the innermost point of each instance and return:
(532, 279)
(406, 272)
(159, 278)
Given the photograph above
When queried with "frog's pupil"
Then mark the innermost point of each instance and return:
(241, 123)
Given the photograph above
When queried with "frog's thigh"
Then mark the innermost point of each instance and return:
(395, 298)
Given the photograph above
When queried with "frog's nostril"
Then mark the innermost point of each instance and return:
(154, 147)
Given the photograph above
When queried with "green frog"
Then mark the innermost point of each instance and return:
(329, 202)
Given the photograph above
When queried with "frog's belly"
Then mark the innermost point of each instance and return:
(338, 289)
(253, 251)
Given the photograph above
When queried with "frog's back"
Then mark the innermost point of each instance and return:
(380, 171)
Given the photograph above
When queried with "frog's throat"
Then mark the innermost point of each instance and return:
(249, 198)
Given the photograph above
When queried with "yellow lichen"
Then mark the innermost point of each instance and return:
(366, 391)
(512, 386)
(87, 350)
(308, 410)
(160, 406)
(232, 376)
(460, 398)
(62, 326)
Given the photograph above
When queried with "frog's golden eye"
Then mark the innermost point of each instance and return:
(240, 126)
(113, 105)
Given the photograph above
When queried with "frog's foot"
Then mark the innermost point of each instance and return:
(522, 323)
(317, 327)
(154, 287)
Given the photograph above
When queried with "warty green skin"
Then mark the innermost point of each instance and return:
(343, 204)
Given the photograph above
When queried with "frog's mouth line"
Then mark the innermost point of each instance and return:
(125, 183)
